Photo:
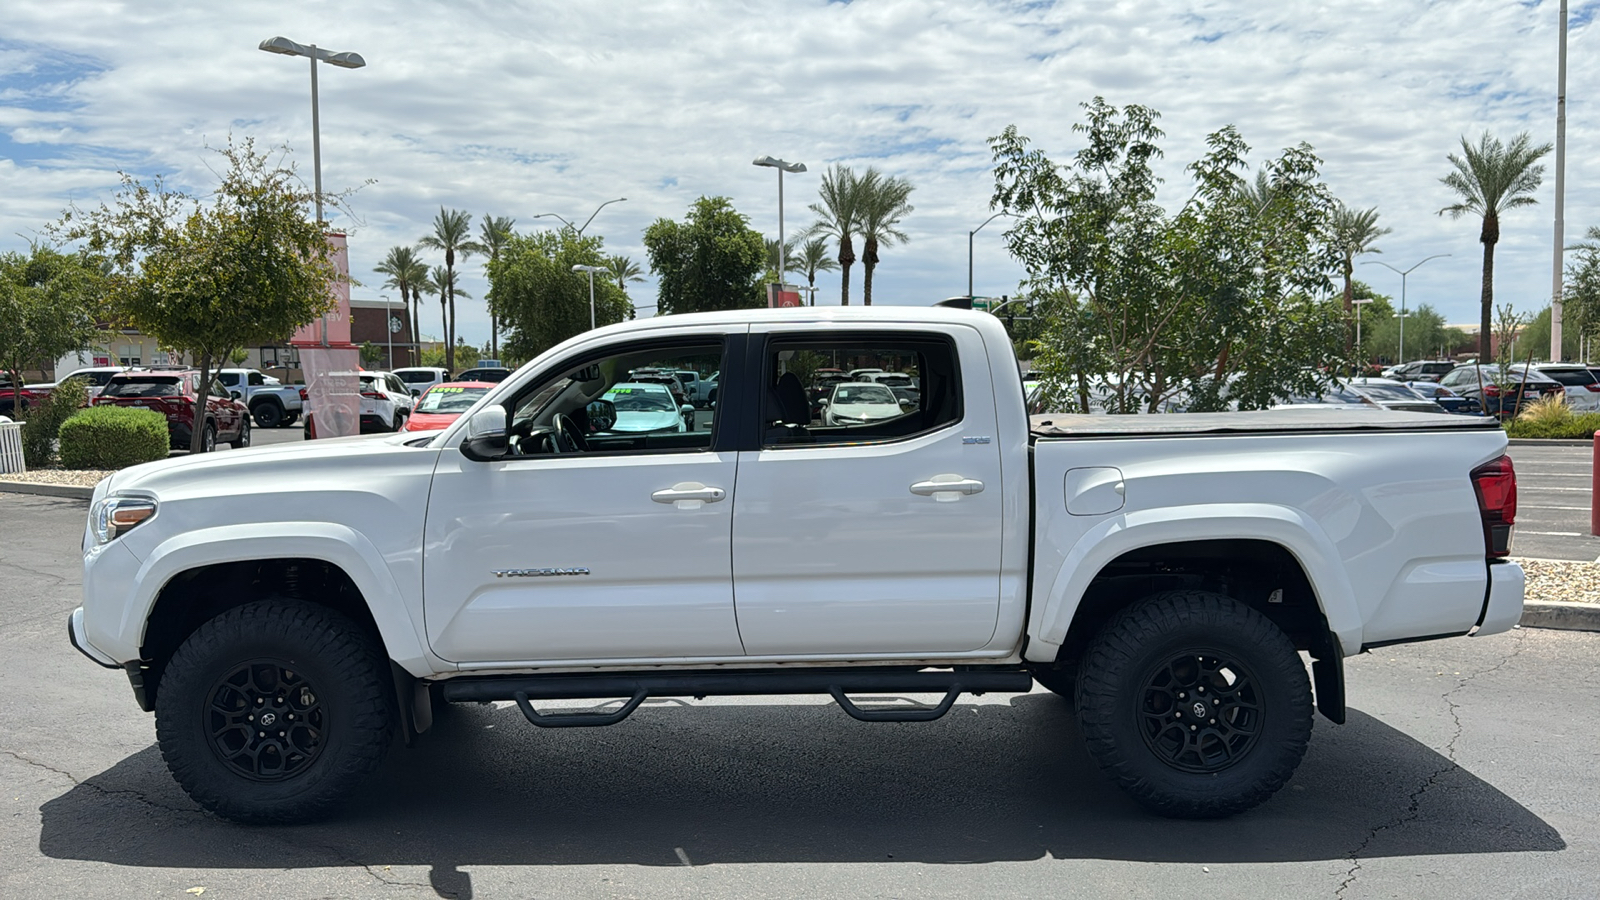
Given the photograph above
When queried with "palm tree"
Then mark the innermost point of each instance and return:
(839, 209)
(452, 234)
(407, 274)
(789, 262)
(624, 270)
(814, 258)
(1352, 231)
(882, 208)
(1492, 178)
(442, 281)
(493, 235)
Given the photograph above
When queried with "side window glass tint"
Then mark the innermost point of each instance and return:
(852, 391)
(257, 379)
(630, 401)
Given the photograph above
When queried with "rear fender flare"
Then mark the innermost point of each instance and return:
(1289, 528)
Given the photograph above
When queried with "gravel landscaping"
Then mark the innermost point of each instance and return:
(1561, 581)
(76, 477)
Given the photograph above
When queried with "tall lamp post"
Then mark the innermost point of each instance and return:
(591, 270)
(311, 51)
(782, 167)
(388, 327)
(586, 222)
(970, 235)
(1403, 314)
(1561, 175)
(1358, 304)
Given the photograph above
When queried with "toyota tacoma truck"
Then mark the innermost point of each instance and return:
(1191, 583)
(272, 403)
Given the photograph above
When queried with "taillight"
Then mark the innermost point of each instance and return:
(302, 394)
(1444, 392)
(1496, 485)
(372, 395)
(1491, 390)
(1594, 387)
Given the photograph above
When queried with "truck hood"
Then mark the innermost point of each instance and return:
(245, 472)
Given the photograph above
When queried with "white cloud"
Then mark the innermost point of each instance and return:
(520, 109)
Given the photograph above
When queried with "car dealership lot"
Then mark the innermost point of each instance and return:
(1554, 490)
(1466, 769)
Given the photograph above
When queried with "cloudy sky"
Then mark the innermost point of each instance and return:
(522, 108)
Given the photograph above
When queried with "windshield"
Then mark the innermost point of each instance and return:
(1388, 392)
(445, 399)
(863, 394)
(145, 387)
(1334, 394)
(639, 398)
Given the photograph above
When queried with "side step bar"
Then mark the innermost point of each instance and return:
(638, 687)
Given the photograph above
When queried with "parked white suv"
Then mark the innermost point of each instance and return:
(1581, 384)
(386, 401)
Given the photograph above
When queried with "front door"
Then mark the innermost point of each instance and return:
(595, 538)
(869, 521)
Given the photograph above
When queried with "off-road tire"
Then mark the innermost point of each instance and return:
(1130, 667)
(268, 414)
(331, 654)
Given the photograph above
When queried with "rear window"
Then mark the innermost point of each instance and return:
(1438, 368)
(417, 377)
(1575, 377)
(145, 387)
(1387, 392)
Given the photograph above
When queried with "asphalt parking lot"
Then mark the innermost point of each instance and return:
(1467, 769)
(1554, 491)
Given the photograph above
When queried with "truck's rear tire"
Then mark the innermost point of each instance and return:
(305, 672)
(1195, 704)
(268, 414)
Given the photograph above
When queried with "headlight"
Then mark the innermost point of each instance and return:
(113, 517)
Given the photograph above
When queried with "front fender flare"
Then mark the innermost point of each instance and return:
(1289, 528)
(338, 545)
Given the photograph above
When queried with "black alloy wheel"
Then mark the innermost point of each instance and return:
(266, 720)
(1197, 705)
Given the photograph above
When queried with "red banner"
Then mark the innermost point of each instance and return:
(334, 327)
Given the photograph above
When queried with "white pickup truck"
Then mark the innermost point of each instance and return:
(286, 611)
(272, 403)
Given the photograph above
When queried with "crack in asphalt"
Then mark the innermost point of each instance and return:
(1414, 801)
(109, 792)
(39, 573)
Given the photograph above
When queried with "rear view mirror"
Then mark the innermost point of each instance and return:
(602, 415)
(486, 435)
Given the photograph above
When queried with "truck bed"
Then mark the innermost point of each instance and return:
(1272, 421)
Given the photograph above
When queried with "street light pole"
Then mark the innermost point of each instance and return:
(1358, 304)
(1561, 171)
(782, 167)
(388, 327)
(591, 270)
(586, 222)
(314, 53)
(970, 236)
(1403, 314)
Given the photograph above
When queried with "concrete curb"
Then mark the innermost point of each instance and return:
(1565, 616)
(1551, 442)
(70, 491)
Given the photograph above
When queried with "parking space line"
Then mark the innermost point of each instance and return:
(1530, 506)
(1554, 533)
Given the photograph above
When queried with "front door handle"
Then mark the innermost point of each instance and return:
(947, 488)
(689, 495)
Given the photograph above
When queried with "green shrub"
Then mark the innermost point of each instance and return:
(44, 420)
(1572, 425)
(113, 437)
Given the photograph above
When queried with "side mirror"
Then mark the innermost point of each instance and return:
(686, 411)
(236, 395)
(486, 435)
(602, 415)
(823, 402)
(907, 406)
(415, 392)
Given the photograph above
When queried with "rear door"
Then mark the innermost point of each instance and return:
(877, 537)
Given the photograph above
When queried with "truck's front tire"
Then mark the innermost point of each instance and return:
(1197, 705)
(273, 712)
(268, 414)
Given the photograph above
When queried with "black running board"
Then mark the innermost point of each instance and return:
(637, 687)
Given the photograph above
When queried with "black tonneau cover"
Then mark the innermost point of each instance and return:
(1272, 421)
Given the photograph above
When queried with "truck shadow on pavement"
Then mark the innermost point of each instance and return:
(724, 783)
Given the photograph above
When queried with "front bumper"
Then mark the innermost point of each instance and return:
(1503, 607)
(80, 641)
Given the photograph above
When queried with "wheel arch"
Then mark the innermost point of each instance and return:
(198, 575)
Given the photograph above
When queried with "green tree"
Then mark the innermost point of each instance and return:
(813, 258)
(406, 274)
(1140, 306)
(452, 233)
(542, 301)
(245, 269)
(48, 304)
(493, 233)
(712, 260)
(1352, 232)
(624, 270)
(1491, 179)
(1581, 292)
(370, 353)
(442, 281)
(1427, 336)
(883, 205)
(790, 264)
(839, 212)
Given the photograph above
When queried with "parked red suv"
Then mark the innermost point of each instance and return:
(173, 394)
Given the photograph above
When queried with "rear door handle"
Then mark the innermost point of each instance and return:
(947, 488)
(689, 495)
